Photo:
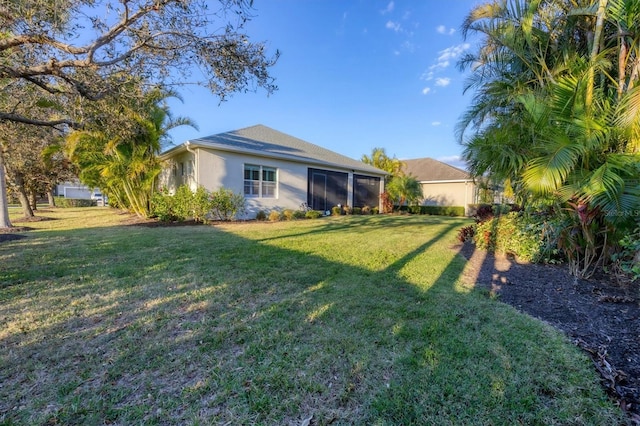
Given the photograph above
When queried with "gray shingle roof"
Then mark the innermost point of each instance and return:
(428, 169)
(267, 142)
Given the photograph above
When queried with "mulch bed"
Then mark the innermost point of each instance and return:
(600, 315)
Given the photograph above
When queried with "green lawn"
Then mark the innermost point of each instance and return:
(345, 320)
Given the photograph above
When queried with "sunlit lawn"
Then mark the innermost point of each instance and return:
(348, 320)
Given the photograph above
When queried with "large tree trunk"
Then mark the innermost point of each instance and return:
(4, 204)
(51, 198)
(33, 201)
(24, 201)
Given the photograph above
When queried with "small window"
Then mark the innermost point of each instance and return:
(260, 181)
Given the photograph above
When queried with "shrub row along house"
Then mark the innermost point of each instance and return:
(273, 170)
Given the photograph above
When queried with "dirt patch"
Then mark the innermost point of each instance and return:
(33, 219)
(600, 315)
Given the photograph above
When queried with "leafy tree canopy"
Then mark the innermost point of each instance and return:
(67, 50)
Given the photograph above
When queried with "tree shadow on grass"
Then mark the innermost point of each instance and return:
(188, 325)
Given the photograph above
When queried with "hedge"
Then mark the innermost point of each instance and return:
(435, 210)
(73, 202)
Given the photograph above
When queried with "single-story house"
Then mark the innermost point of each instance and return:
(273, 170)
(442, 184)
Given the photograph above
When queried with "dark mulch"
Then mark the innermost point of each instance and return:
(600, 315)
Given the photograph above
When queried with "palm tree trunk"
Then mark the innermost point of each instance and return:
(595, 47)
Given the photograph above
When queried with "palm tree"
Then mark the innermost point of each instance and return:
(403, 189)
(125, 164)
(567, 126)
(381, 160)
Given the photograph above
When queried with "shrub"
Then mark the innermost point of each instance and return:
(347, 210)
(227, 205)
(201, 205)
(274, 216)
(357, 210)
(287, 214)
(182, 202)
(73, 202)
(366, 210)
(466, 233)
(162, 206)
(484, 212)
(511, 234)
(387, 203)
(435, 210)
(261, 215)
(627, 259)
(313, 214)
(336, 211)
(298, 214)
(375, 210)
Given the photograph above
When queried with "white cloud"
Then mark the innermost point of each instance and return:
(453, 52)
(443, 81)
(393, 26)
(388, 9)
(441, 29)
(426, 90)
(427, 75)
(435, 123)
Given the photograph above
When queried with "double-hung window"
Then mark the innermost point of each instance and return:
(260, 181)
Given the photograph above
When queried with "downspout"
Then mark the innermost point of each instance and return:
(195, 162)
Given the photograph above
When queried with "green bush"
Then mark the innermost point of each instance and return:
(628, 258)
(366, 210)
(261, 215)
(336, 211)
(375, 210)
(511, 234)
(73, 202)
(299, 214)
(313, 214)
(223, 204)
(201, 205)
(162, 206)
(435, 210)
(357, 210)
(227, 205)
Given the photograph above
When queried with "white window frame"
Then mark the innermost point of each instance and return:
(250, 190)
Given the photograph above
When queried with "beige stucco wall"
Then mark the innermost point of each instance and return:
(217, 169)
(448, 194)
(171, 176)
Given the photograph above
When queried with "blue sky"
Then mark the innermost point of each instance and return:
(353, 75)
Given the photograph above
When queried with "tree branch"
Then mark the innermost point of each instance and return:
(17, 118)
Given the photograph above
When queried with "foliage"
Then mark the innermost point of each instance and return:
(227, 205)
(70, 51)
(357, 210)
(510, 234)
(583, 239)
(382, 161)
(403, 189)
(435, 210)
(64, 202)
(313, 214)
(287, 214)
(119, 151)
(200, 205)
(466, 233)
(163, 206)
(261, 215)
(387, 203)
(628, 257)
(555, 115)
(336, 211)
(274, 216)
(299, 214)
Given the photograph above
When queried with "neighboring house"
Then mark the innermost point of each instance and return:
(442, 184)
(73, 189)
(273, 170)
